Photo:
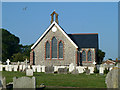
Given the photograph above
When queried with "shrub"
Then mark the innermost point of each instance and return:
(106, 70)
(96, 70)
(55, 72)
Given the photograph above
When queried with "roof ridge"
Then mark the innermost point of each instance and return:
(82, 33)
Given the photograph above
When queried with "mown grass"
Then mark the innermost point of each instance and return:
(65, 80)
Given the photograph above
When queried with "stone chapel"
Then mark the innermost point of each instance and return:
(57, 48)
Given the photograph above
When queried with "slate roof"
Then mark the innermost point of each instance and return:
(87, 40)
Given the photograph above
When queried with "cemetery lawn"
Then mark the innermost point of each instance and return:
(62, 80)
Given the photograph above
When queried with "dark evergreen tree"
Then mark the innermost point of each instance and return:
(101, 55)
(10, 44)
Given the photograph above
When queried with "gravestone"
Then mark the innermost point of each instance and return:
(28, 67)
(49, 69)
(23, 67)
(10, 68)
(62, 70)
(20, 67)
(24, 82)
(2, 82)
(88, 72)
(18, 63)
(8, 61)
(15, 67)
(29, 72)
(80, 69)
(1, 68)
(113, 79)
(55, 68)
(101, 70)
(110, 68)
(43, 68)
(94, 63)
(75, 71)
(71, 67)
(34, 68)
(91, 70)
(6, 67)
(38, 68)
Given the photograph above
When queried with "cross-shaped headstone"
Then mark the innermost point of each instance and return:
(8, 61)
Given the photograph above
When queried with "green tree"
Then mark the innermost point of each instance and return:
(101, 55)
(26, 50)
(23, 54)
(17, 57)
(12, 49)
(10, 44)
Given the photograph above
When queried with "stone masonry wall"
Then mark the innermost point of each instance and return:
(89, 63)
(68, 49)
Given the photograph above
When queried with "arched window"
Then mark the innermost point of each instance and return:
(60, 50)
(83, 56)
(54, 47)
(89, 56)
(47, 49)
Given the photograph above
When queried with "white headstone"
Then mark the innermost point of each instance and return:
(101, 70)
(24, 67)
(34, 68)
(8, 61)
(43, 68)
(6, 67)
(28, 67)
(20, 67)
(71, 67)
(29, 72)
(10, 68)
(0, 62)
(80, 69)
(38, 68)
(91, 69)
(111, 68)
(18, 63)
(15, 67)
(1, 68)
(94, 63)
(62, 66)
(55, 68)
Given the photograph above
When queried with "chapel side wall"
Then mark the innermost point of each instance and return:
(89, 63)
(68, 49)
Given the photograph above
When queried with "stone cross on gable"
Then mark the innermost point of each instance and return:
(8, 61)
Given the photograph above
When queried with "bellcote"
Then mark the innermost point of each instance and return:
(56, 17)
